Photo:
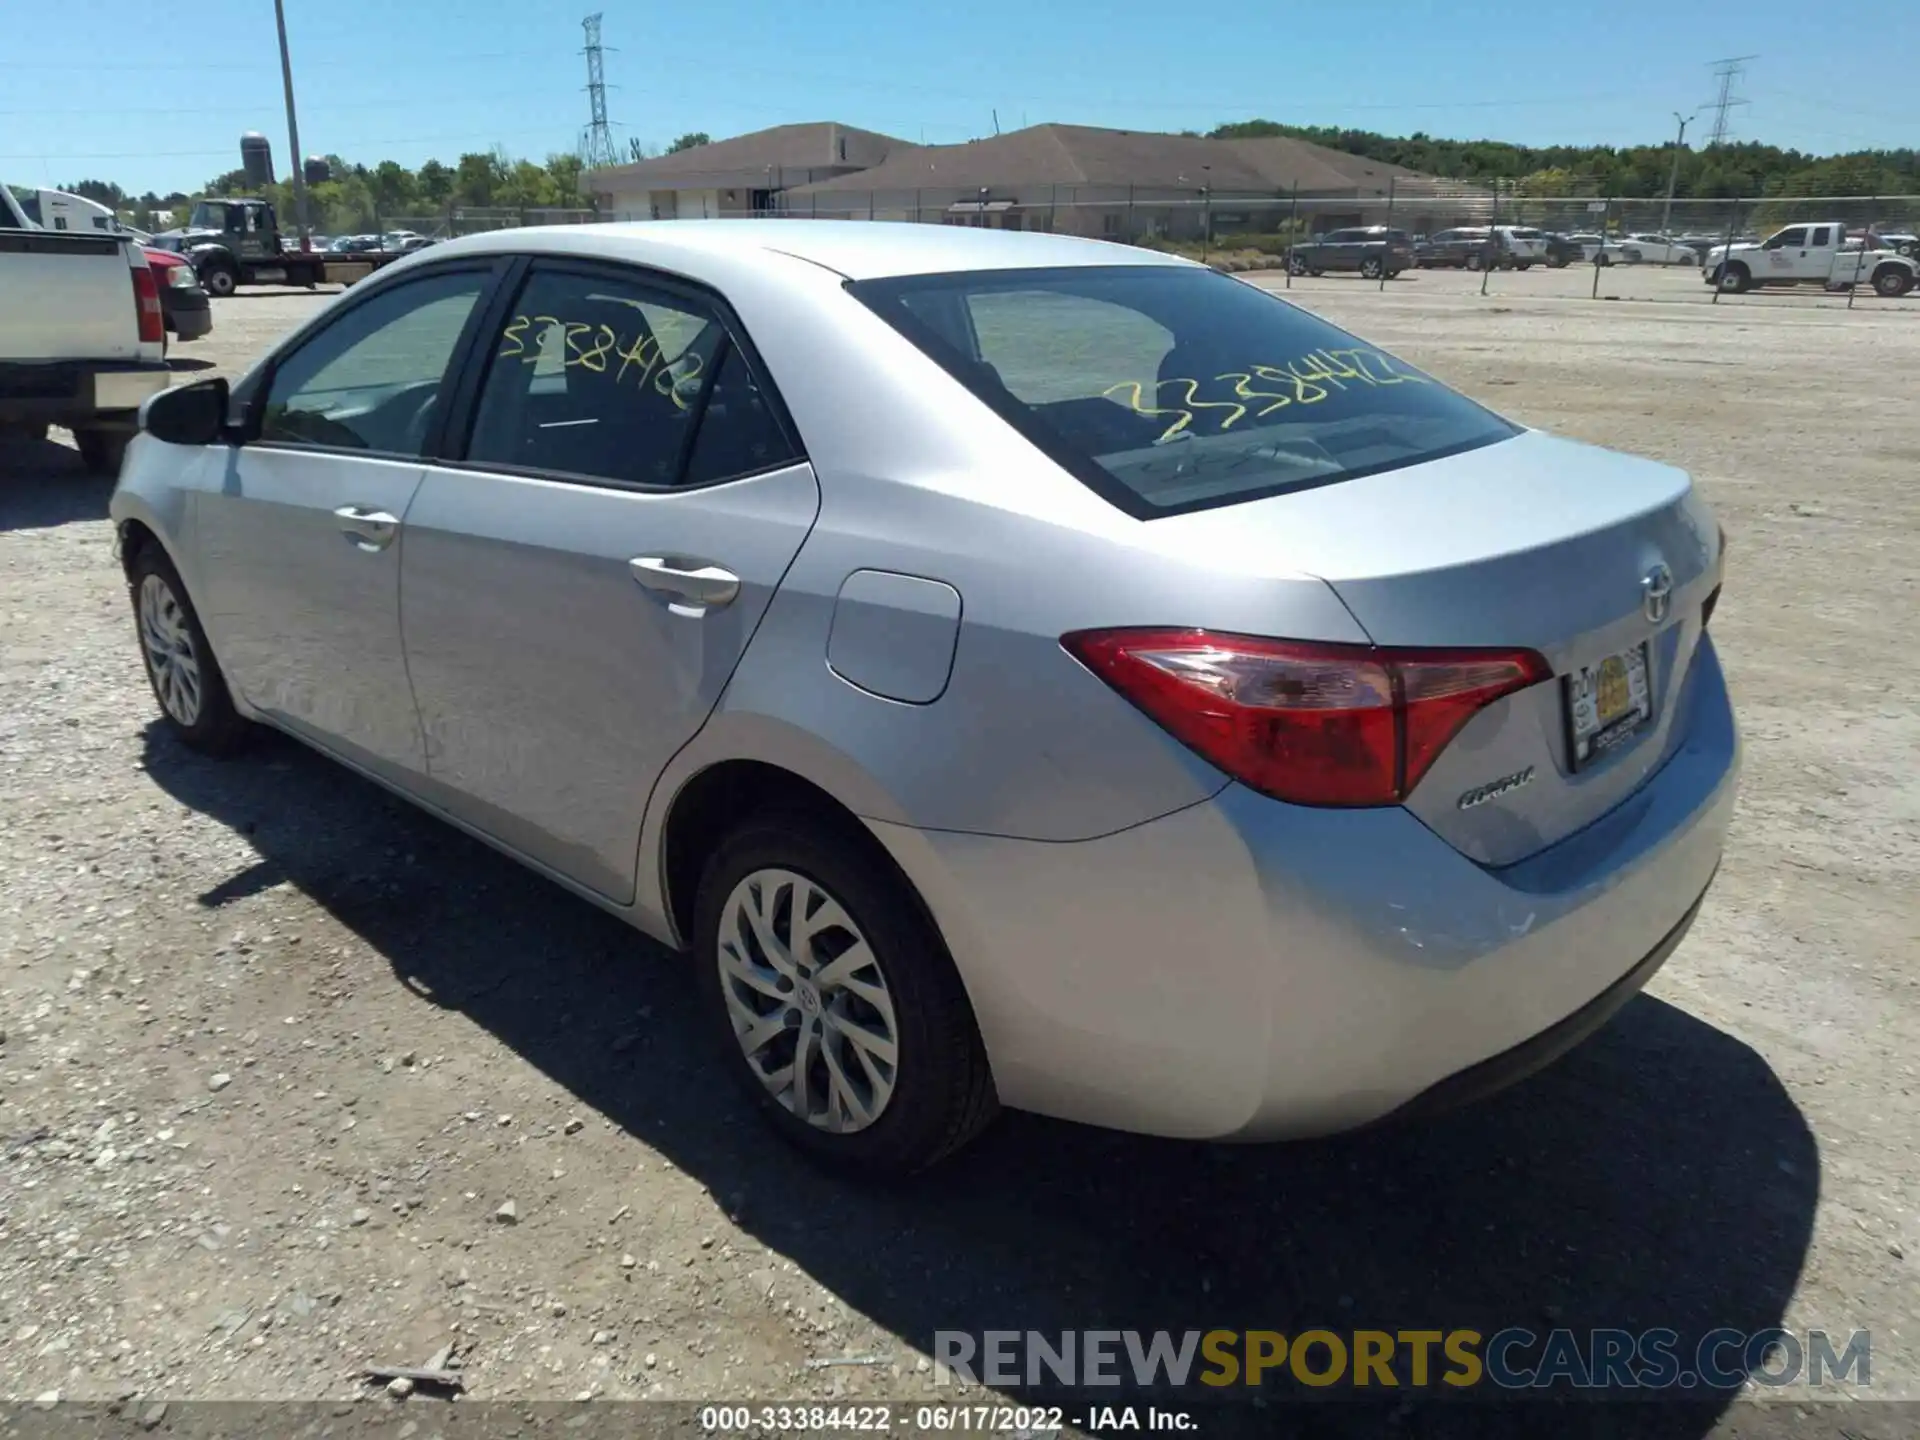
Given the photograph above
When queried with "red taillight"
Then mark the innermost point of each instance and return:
(146, 301)
(1308, 723)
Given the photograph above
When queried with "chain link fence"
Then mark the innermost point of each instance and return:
(1605, 247)
(1594, 246)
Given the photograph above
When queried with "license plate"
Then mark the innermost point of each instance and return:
(1607, 702)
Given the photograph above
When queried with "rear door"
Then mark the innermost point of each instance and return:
(583, 574)
(1823, 247)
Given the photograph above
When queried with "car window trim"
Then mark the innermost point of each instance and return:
(882, 297)
(464, 411)
(260, 383)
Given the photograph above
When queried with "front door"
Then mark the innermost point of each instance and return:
(577, 590)
(1786, 254)
(300, 533)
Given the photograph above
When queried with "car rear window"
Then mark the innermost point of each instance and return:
(1168, 388)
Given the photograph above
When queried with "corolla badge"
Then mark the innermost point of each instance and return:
(1505, 785)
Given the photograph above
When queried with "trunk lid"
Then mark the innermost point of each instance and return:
(1533, 542)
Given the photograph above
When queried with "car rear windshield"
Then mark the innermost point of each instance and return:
(1173, 388)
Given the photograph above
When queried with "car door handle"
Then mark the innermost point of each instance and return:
(697, 582)
(369, 529)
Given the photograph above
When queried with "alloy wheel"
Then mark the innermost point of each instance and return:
(167, 639)
(808, 1001)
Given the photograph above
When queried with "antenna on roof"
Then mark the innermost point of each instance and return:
(996, 122)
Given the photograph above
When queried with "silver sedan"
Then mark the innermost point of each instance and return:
(1018, 670)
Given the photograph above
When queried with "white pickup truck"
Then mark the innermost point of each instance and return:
(1815, 254)
(82, 334)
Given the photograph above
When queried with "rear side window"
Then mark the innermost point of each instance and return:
(1169, 388)
(618, 380)
(1822, 235)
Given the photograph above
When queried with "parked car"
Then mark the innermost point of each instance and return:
(82, 333)
(1598, 250)
(1526, 245)
(1264, 744)
(1701, 244)
(1660, 250)
(1817, 254)
(1468, 247)
(1369, 249)
(1562, 250)
(353, 245)
(187, 310)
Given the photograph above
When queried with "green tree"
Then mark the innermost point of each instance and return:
(689, 141)
(434, 183)
(393, 188)
(565, 170)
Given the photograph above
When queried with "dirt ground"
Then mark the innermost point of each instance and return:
(278, 1050)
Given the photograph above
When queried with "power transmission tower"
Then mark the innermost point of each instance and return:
(1727, 73)
(596, 141)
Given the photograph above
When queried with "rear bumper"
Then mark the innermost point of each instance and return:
(1246, 969)
(61, 392)
(189, 312)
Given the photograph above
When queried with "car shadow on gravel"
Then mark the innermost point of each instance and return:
(44, 484)
(1659, 1176)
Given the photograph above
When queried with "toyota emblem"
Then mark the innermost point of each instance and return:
(1656, 593)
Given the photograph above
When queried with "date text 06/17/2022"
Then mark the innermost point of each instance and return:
(1014, 1422)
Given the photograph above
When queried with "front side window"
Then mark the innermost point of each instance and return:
(1789, 239)
(1170, 389)
(371, 380)
(616, 379)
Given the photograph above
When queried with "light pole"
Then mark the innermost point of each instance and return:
(293, 126)
(1673, 175)
(1206, 211)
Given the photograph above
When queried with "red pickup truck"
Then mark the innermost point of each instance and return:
(189, 314)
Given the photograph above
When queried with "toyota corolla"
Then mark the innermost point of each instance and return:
(1017, 669)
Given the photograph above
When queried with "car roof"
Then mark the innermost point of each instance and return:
(856, 249)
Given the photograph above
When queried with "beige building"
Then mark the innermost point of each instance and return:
(745, 175)
(1077, 179)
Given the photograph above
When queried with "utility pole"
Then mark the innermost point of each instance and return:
(1673, 176)
(293, 127)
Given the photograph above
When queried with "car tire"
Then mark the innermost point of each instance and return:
(936, 1095)
(1891, 282)
(1370, 269)
(102, 450)
(1523, 264)
(187, 682)
(1315, 271)
(1734, 279)
(1604, 260)
(1475, 262)
(1557, 262)
(220, 278)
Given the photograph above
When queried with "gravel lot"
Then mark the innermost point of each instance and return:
(294, 1079)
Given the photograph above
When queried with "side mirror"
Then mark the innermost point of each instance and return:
(193, 414)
